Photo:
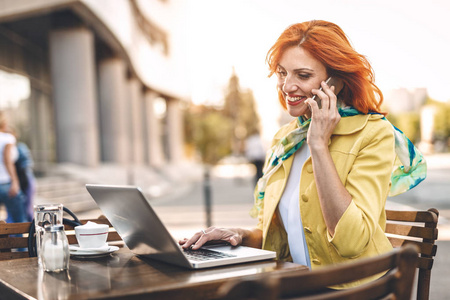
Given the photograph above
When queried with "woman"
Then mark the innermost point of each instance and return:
(321, 202)
(24, 170)
(10, 193)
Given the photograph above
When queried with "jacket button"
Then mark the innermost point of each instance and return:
(305, 198)
(309, 168)
(308, 230)
(316, 261)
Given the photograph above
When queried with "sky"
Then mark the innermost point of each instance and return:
(407, 43)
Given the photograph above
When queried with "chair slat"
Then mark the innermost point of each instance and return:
(13, 242)
(12, 255)
(72, 239)
(414, 231)
(425, 263)
(8, 242)
(412, 216)
(381, 286)
(424, 248)
(113, 236)
(14, 228)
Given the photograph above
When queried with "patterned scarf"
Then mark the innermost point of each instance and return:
(405, 176)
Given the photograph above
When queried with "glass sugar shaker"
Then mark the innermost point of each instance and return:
(55, 249)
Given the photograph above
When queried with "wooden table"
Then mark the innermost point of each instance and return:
(123, 275)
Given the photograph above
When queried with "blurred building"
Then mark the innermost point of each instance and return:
(92, 82)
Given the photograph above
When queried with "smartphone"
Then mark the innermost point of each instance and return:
(331, 81)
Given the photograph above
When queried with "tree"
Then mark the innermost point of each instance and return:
(208, 131)
(217, 132)
(240, 109)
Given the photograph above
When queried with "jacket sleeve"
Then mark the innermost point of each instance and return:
(368, 183)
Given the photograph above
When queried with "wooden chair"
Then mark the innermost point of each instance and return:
(10, 243)
(418, 228)
(395, 284)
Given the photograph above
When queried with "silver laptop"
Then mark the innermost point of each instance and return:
(145, 235)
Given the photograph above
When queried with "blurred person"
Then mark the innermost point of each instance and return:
(328, 173)
(255, 153)
(10, 193)
(27, 182)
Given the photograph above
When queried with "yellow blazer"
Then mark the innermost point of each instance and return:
(362, 148)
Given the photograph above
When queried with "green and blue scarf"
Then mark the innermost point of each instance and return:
(405, 176)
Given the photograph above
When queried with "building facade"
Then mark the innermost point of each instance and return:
(90, 82)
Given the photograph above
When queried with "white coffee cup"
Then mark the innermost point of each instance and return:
(92, 235)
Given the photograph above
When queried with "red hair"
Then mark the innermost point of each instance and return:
(327, 43)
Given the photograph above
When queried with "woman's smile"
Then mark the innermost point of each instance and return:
(295, 100)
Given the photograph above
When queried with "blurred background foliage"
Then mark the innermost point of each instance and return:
(442, 118)
(209, 132)
(217, 132)
(408, 122)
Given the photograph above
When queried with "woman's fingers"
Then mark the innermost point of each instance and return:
(13, 191)
(333, 111)
(197, 240)
(333, 97)
(327, 97)
(188, 243)
(235, 240)
(204, 237)
(313, 106)
(328, 110)
(211, 234)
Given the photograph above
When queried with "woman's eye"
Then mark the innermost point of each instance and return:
(281, 73)
(303, 76)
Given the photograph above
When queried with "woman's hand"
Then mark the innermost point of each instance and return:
(231, 236)
(14, 189)
(323, 120)
(11, 169)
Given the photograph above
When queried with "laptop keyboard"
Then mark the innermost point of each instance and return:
(205, 254)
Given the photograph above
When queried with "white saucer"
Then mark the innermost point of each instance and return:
(75, 250)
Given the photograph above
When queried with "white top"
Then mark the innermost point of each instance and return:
(289, 208)
(5, 139)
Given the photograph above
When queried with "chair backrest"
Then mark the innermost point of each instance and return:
(395, 284)
(418, 228)
(14, 236)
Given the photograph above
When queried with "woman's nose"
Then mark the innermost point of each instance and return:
(289, 85)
